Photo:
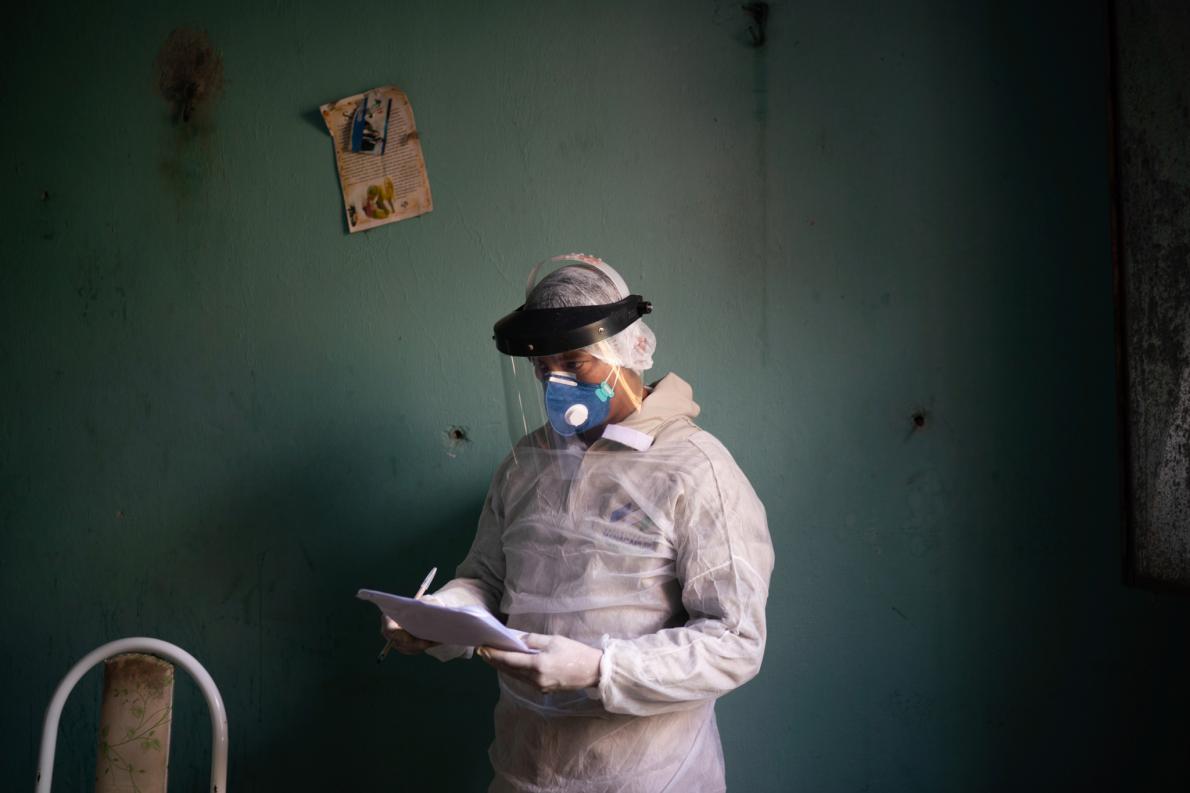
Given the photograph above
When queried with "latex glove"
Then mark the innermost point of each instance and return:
(562, 665)
(403, 641)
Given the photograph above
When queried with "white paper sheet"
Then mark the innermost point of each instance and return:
(468, 626)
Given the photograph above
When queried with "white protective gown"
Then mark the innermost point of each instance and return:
(650, 544)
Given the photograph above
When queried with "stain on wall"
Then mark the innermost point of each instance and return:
(189, 74)
(190, 80)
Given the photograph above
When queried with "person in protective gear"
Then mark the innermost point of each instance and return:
(630, 548)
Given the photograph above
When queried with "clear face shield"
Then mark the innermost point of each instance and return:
(553, 399)
(562, 373)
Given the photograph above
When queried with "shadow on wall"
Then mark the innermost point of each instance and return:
(406, 723)
(294, 652)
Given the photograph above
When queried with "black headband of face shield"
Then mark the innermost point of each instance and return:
(549, 331)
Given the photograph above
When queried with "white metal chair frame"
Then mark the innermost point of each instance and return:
(137, 644)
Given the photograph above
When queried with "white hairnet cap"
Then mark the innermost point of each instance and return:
(590, 281)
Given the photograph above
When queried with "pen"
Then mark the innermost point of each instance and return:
(421, 590)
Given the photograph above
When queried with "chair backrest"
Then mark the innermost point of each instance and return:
(140, 644)
(135, 718)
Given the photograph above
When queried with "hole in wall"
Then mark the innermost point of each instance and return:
(455, 439)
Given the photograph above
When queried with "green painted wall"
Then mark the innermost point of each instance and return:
(220, 415)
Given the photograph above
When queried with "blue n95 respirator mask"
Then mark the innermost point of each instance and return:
(573, 407)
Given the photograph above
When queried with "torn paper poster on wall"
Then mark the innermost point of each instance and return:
(378, 155)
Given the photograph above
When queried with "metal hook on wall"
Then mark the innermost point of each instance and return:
(760, 17)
